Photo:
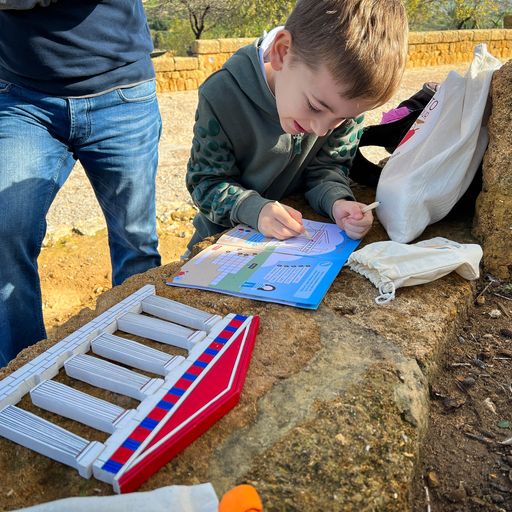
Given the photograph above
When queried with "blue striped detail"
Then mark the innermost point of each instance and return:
(230, 328)
(189, 376)
(112, 466)
(164, 404)
(222, 339)
(131, 444)
(176, 391)
(211, 352)
(201, 364)
(149, 423)
(240, 317)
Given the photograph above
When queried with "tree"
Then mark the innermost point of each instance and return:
(159, 24)
(471, 14)
(204, 15)
(221, 18)
(259, 15)
(418, 12)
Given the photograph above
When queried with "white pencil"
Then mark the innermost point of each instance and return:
(306, 233)
(371, 206)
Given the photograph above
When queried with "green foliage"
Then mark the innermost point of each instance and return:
(257, 16)
(217, 18)
(159, 24)
(204, 15)
(419, 13)
(177, 23)
(476, 13)
(178, 38)
(456, 14)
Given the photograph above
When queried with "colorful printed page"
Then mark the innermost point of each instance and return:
(244, 263)
(326, 240)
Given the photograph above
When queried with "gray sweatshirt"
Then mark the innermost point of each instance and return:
(241, 159)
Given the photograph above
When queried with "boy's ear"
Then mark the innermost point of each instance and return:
(280, 48)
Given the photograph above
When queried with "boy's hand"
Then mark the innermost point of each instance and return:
(279, 221)
(351, 219)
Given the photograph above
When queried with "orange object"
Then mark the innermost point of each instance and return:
(242, 498)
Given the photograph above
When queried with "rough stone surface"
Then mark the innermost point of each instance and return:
(493, 220)
(334, 405)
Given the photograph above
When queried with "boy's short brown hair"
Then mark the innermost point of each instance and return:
(363, 43)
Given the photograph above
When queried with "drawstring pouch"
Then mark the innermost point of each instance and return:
(390, 265)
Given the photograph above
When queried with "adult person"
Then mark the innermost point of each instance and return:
(76, 83)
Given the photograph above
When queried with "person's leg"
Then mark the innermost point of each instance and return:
(34, 163)
(119, 153)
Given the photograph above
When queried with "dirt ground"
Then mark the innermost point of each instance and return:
(76, 269)
(466, 459)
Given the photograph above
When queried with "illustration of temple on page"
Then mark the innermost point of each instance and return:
(244, 263)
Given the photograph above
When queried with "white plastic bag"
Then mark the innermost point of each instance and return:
(390, 265)
(437, 159)
(174, 498)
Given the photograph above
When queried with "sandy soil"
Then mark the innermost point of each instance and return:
(466, 460)
(76, 270)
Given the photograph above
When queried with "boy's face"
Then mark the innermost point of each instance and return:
(308, 101)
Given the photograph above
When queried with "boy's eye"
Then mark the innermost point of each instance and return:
(312, 108)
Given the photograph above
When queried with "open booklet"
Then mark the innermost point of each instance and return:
(244, 263)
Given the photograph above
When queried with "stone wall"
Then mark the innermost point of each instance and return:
(187, 73)
(493, 219)
(425, 49)
(456, 46)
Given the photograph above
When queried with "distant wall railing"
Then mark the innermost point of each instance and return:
(425, 49)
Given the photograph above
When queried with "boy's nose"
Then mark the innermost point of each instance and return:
(320, 128)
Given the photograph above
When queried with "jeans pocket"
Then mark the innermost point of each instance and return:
(138, 93)
(4, 87)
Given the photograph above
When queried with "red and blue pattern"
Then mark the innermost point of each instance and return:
(150, 422)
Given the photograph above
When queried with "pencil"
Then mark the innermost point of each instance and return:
(369, 207)
(306, 233)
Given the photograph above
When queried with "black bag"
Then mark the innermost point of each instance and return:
(388, 136)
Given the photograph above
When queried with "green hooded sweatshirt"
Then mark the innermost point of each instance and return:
(241, 158)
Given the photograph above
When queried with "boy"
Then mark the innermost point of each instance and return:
(285, 114)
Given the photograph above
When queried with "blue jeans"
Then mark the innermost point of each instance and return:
(115, 136)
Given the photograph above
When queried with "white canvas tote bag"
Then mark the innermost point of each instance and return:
(437, 159)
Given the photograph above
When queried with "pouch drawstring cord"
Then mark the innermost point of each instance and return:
(387, 293)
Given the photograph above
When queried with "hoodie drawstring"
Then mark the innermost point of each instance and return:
(297, 143)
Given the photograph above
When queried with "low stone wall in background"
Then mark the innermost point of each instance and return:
(188, 73)
(425, 49)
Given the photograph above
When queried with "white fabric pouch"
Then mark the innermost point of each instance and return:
(438, 158)
(390, 265)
